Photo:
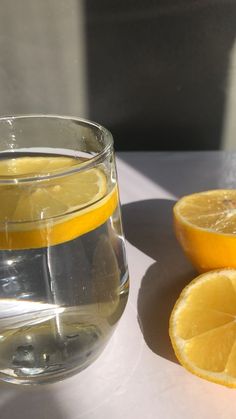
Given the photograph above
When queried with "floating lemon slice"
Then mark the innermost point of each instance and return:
(49, 211)
(203, 327)
(205, 225)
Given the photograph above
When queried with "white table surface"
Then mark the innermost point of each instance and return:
(137, 376)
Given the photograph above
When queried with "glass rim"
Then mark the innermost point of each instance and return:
(79, 167)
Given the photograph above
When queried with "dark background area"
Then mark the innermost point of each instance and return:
(157, 71)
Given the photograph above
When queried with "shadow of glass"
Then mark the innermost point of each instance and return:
(29, 402)
(148, 226)
(206, 170)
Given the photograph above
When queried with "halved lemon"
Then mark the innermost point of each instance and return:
(205, 225)
(49, 211)
(203, 327)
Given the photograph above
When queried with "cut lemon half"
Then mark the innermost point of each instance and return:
(50, 210)
(205, 225)
(203, 327)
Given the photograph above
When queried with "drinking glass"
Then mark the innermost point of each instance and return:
(63, 270)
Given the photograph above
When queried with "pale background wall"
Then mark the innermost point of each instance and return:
(42, 57)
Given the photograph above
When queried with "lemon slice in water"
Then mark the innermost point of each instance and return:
(49, 211)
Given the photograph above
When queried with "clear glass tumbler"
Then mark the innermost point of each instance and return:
(63, 270)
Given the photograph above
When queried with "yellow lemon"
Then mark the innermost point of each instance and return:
(203, 327)
(205, 225)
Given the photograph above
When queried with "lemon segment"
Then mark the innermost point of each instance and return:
(202, 327)
(50, 211)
